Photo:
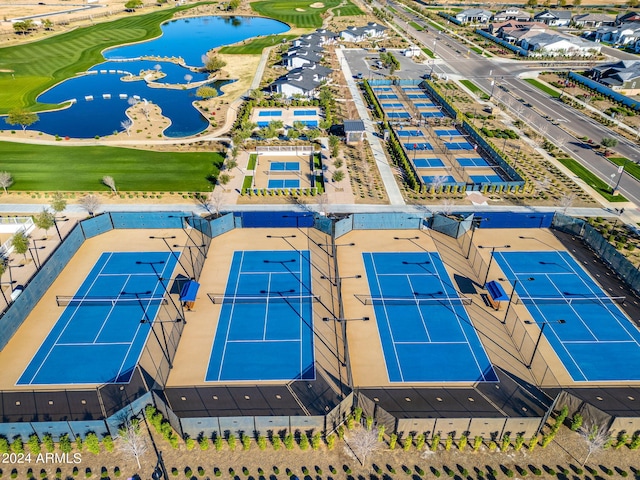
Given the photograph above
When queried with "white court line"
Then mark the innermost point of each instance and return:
(424, 324)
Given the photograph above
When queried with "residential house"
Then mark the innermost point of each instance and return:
(628, 17)
(359, 34)
(301, 83)
(512, 14)
(551, 43)
(623, 75)
(474, 16)
(592, 20)
(624, 34)
(554, 18)
(301, 58)
(508, 31)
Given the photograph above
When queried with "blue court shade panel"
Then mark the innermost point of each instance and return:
(96, 343)
(284, 166)
(440, 180)
(428, 162)
(304, 113)
(485, 178)
(458, 145)
(597, 342)
(283, 183)
(472, 162)
(271, 338)
(418, 146)
(423, 342)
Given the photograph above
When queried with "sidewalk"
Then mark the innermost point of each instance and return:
(386, 172)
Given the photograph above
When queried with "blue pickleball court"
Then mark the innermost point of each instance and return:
(424, 329)
(472, 162)
(486, 178)
(418, 146)
(438, 179)
(284, 166)
(99, 336)
(283, 183)
(265, 328)
(428, 162)
(596, 342)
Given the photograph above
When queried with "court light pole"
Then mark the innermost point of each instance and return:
(335, 246)
(338, 279)
(543, 324)
(513, 291)
(493, 249)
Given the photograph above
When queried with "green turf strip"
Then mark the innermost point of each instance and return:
(599, 185)
(51, 168)
(255, 46)
(630, 167)
(416, 26)
(543, 87)
(34, 67)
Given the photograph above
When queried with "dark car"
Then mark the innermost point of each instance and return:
(382, 50)
(359, 76)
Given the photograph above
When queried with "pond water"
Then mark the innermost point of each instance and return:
(100, 97)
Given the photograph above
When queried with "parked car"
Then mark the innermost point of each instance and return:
(382, 50)
(359, 75)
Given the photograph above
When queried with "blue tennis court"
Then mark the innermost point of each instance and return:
(438, 179)
(284, 166)
(418, 146)
(428, 162)
(392, 105)
(398, 114)
(458, 145)
(597, 342)
(304, 113)
(410, 133)
(265, 328)
(283, 183)
(98, 338)
(447, 132)
(424, 329)
(472, 162)
(423, 104)
(387, 96)
(486, 178)
(433, 114)
(270, 113)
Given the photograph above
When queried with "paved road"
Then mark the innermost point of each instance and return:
(456, 59)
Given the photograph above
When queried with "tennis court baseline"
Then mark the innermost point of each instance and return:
(98, 342)
(596, 342)
(265, 329)
(428, 336)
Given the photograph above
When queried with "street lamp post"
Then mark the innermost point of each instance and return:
(544, 324)
(493, 249)
(621, 171)
(513, 291)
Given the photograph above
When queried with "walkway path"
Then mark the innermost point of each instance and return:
(386, 171)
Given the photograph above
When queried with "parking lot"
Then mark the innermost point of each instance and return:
(363, 61)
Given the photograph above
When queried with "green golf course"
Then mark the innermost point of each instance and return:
(50, 168)
(300, 13)
(255, 46)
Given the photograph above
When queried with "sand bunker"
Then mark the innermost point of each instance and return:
(317, 5)
(299, 9)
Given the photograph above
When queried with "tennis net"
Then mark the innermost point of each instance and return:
(413, 300)
(142, 301)
(219, 299)
(570, 300)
